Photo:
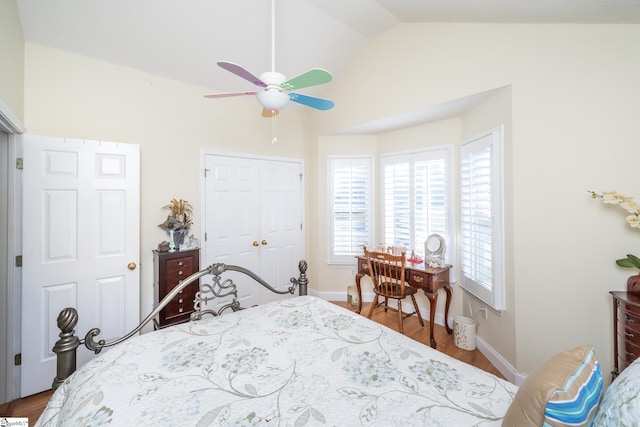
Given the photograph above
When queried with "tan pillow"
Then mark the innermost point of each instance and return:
(564, 389)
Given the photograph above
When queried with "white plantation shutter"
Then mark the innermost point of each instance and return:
(481, 218)
(350, 201)
(416, 198)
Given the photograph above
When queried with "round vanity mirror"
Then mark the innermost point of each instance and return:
(434, 245)
(434, 250)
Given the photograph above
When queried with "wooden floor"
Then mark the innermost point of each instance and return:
(31, 407)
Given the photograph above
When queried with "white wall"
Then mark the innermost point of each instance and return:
(11, 59)
(74, 96)
(574, 98)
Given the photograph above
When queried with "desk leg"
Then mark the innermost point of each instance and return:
(447, 289)
(433, 301)
(358, 277)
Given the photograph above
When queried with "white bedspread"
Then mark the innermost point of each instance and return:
(299, 362)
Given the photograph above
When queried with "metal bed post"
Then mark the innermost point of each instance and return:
(65, 347)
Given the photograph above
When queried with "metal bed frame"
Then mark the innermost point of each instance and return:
(65, 348)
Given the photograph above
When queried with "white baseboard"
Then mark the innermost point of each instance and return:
(489, 352)
(499, 362)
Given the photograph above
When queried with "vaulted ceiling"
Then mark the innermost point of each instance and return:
(183, 39)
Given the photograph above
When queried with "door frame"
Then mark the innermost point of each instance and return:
(11, 125)
(206, 152)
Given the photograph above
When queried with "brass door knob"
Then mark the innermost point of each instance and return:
(131, 266)
(255, 243)
(264, 242)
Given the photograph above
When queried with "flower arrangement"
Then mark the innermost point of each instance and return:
(179, 218)
(629, 205)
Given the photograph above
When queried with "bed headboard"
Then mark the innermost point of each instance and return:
(65, 347)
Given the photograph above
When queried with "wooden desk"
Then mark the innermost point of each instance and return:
(417, 276)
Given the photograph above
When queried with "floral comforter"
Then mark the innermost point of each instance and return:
(298, 362)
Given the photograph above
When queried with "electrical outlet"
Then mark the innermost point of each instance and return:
(485, 314)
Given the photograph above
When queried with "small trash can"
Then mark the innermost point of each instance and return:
(464, 333)
(352, 296)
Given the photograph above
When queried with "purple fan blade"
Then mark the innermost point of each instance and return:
(227, 95)
(240, 71)
(311, 101)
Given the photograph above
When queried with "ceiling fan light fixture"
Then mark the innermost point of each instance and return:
(272, 99)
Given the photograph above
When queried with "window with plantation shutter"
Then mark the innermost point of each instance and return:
(350, 204)
(481, 218)
(416, 200)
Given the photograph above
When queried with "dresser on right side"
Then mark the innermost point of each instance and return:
(626, 329)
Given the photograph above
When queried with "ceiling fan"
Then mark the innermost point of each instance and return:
(275, 92)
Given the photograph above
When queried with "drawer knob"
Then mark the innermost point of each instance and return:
(418, 279)
(180, 263)
(180, 310)
(180, 273)
(365, 267)
(180, 300)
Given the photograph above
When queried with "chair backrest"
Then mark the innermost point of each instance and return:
(387, 272)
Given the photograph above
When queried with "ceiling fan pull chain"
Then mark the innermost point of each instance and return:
(274, 127)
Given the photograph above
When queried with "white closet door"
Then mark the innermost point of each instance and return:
(81, 230)
(280, 224)
(253, 218)
(231, 219)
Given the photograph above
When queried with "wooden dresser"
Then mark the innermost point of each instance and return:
(626, 329)
(169, 269)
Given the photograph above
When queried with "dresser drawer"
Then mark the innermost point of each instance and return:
(629, 308)
(628, 321)
(179, 269)
(627, 350)
(181, 305)
(629, 335)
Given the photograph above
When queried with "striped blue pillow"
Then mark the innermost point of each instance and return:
(564, 391)
(576, 403)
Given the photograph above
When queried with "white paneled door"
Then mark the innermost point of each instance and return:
(253, 218)
(80, 246)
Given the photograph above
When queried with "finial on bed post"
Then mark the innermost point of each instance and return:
(65, 347)
(303, 281)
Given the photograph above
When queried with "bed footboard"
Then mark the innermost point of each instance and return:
(65, 348)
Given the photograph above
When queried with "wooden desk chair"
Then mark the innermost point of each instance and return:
(387, 274)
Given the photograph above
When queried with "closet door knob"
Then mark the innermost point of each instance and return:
(255, 243)
(264, 242)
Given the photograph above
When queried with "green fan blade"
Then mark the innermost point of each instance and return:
(312, 77)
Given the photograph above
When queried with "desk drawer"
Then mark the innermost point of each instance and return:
(421, 280)
(363, 266)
